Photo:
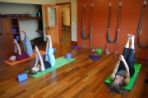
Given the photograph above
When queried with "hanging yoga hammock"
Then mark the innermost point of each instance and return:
(89, 36)
(109, 40)
(84, 37)
(139, 29)
(91, 25)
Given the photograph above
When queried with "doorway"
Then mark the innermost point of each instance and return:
(66, 24)
(58, 23)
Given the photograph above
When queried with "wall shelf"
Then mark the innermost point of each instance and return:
(25, 18)
(22, 17)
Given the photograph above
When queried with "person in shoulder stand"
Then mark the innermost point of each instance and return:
(20, 54)
(124, 68)
(41, 65)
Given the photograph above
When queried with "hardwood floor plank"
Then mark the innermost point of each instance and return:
(83, 78)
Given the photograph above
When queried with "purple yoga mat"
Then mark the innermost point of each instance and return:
(21, 57)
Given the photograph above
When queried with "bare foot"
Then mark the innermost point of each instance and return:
(15, 41)
(121, 57)
(48, 37)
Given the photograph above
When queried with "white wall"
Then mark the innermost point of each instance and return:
(27, 1)
(28, 25)
(73, 10)
(14, 8)
(74, 19)
(66, 15)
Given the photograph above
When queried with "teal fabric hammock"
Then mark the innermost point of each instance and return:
(109, 40)
(139, 29)
(89, 36)
(83, 35)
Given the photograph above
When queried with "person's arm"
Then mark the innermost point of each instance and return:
(127, 77)
(19, 49)
(115, 70)
(49, 42)
(42, 67)
(17, 46)
(36, 60)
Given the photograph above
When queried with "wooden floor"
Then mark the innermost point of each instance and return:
(83, 78)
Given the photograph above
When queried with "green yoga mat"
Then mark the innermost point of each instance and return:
(132, 79)
(59, 63)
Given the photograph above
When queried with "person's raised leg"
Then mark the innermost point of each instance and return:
(126, 47)
(47, 48)
(49, 42)
(50, 52)
(27, 44)
(48, 45)
(132, 42)
(128, 41)
(131, 56)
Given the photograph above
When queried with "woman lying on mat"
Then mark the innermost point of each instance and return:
(18, 53)
(124, 68)
(49, 58)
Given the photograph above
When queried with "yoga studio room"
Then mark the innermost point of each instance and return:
(73, 48)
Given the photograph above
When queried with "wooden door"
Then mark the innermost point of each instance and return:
(6, 39)
(52, 22)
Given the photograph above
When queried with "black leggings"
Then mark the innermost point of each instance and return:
(129, 56)
(47, 64)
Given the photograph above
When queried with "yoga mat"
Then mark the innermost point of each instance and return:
(132, 79)
(59, 63)
(21, 61)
